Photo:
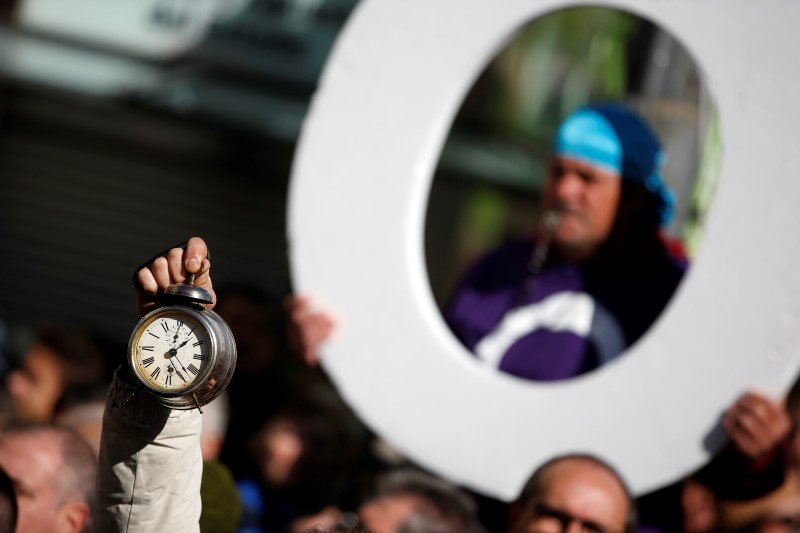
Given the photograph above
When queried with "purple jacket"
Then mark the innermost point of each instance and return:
(569, 320)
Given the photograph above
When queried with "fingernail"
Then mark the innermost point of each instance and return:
(192, 264)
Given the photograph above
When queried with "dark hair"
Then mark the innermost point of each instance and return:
(83, 358)
(445, 508)
(644, 210)
(793, 402)
(531, 492)
(85, 362)
(8, 504)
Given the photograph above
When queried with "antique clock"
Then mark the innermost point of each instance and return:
(182, 353)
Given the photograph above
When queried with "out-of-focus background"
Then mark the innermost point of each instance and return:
(490, 174)
(126, 127)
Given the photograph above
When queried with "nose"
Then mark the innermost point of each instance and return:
(566, 187)
(574, 526)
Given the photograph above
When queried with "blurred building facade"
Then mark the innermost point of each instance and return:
(127, 129)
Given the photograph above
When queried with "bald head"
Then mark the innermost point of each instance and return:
(575, 489)
(409, 501)
(53, 471)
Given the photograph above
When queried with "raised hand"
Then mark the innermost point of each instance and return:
(756, 424)
(309, 327)
(174, 266)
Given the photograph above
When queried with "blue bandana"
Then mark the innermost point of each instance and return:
(615, 139)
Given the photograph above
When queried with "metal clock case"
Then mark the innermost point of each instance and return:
(184, 354)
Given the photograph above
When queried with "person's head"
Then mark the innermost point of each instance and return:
(574, 493)
(58, 360)
(215, 427)
(700, 507)
(53, 470)
(409, 501)
(604, 172)
(280, 446)
(311, 441)
(85, 417)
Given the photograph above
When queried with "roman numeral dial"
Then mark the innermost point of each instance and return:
(170, 351)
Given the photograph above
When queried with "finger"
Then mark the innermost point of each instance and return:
(146, 282)
(324, 329)
(772, 406)
(303, 350)
(204, 276)
(175, 265)
(744, 441)
(297, 306)
(318, 333)
(196, 253)
(160, 271)
(754, 437)
(750, 407)
(753, 421)
(315, 327)
(758, 404)
(771, 418)
(311, 357)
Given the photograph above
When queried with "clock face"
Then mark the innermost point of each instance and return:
(170, 351)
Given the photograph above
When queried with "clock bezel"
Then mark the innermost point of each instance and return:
(172, 311)
(204, 388)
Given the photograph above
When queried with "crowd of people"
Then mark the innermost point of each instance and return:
(82, 448)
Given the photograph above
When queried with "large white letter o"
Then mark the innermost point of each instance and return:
(362, 173)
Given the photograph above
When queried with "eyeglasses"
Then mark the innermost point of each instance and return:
(548, 519)
(791, 523)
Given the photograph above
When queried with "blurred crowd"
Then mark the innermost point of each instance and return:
(283, 453)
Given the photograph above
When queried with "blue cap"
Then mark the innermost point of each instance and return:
(616, 139)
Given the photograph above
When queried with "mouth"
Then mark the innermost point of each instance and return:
(550, 220)
(569, 223)
(561, 210)
(567, 215)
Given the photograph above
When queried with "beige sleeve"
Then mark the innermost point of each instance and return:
(150, 465)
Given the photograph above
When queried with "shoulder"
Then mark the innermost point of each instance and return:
(509, 259)
(492, 275)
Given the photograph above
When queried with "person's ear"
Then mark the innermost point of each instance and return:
(72, 517)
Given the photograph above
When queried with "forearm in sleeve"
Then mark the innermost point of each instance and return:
(150, 466)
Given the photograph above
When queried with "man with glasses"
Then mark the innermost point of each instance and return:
(574, 493)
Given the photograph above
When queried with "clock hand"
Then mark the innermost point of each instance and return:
(173, 354)
(171, 368)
